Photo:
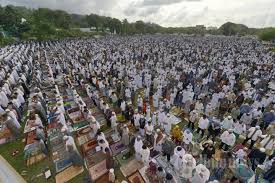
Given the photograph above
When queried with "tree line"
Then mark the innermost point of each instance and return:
(44, 23)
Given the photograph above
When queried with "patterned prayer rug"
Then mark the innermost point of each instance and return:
(125, 157)
(68, 174)
(117, 148)
(131, 167)
(61, 165)
(136, 178)
(93, 159)
(98, 170)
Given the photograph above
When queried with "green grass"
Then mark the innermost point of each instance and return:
(19, 164)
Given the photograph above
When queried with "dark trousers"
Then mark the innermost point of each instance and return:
(202, 131)
(168, 156)
(191, 124)
(226, 147)
(251, 144)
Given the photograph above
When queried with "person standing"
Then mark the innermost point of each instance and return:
(253, 134)
(203, 125)
(72, 150)
(193, 116)
(125, 135)
(138, 148)
(228, 139)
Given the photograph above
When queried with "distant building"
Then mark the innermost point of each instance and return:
(200, 26)
(211, 28)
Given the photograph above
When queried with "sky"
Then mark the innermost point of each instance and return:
(168, 13)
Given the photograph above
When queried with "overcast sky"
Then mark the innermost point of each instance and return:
(253, 13)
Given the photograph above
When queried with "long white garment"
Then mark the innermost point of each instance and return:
(3, 99)
(187, 137)
(268, 143)
(228, 138)
(188, 166)
(201, 175)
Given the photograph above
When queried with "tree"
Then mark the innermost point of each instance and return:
(268, 34)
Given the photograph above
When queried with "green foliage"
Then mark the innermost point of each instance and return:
(230, 29)
(44, 23)
(267, 34)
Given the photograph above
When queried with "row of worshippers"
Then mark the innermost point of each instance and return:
(15, 73)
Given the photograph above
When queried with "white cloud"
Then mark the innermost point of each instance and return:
(254, 13)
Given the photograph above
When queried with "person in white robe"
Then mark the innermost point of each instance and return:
(227, 123)
(154, 119)
(155, 101)
(103, 144)
(178, 154)
(145, 155)
(4, 101)
(254, 133)
(187, 138)
(203, 125)
(268, 142)
(138, 148)
(136, 119)
(189, 164)
(167, 124)
(201, 174)
(113, 120)
(159, 138)
(228, 139)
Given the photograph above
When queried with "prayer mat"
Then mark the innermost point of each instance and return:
(34, 159)
(88, 146)
(175, 111)
(125, 157)
(84, 138)
(131, 167)
(61, 165)
(162, 161)
(136, 178)
(5, 133)
(94, 158)
(30, 137)
(115, 137)
(80, 125)
(68, 174)
(104, 178)
(98, 170)
(84, 131)
(117, 148)
(154, 153)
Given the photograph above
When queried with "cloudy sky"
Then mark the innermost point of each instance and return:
(254, 13)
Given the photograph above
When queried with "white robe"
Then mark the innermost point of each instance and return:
(188, 166)
(197, 178)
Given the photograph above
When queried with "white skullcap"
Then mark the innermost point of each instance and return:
(65, 137)
(111, 170)
(262, 149)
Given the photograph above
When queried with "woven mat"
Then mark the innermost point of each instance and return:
(93, 159)
(90, 145)
(61, 165)
(68, 174)
(121, 160)
(117, 148)
(136, 178)
(98, 170)
(131, 167)
(104, 178)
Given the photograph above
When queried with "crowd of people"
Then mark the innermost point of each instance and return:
(224, 88)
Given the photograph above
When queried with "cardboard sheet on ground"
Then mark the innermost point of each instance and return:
(68, 174)
(131, 167)
(98, 170)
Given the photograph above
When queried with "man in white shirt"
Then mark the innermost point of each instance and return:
(253, 134)
(203, 125)
(228, 139)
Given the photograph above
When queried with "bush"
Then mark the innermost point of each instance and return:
(268, 34)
